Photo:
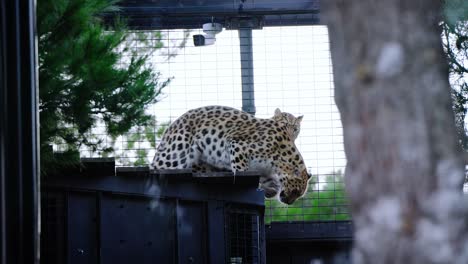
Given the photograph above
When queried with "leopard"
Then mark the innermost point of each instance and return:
(225, 138)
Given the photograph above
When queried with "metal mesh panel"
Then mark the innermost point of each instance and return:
(243, 243)
(199, 76)
(298, 79)
(292, 71)
(53, 225)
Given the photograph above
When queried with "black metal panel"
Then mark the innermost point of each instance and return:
(291, 20)
(164, 22)
(309, 242)
(97, 166)
(18, 133)
(217, 7)
(306, 252)
(137, 230)
(54, 228)
(216, 232)
(191, 232)
(325, 253)
(83, 245)
(151, 15)
(193, 188)
(158, 218)
(338, 230)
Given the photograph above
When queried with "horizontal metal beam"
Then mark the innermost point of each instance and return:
(127, 182)
(169, 14)
(169, 22)
(309, 230)
(217, 7)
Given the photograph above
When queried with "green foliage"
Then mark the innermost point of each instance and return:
(138, 141)
(141, 157)
(88, 74)
(455, 42)
(455, 11)
(326, 204)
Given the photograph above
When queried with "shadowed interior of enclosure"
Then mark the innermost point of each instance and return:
(171, 216)
(292, 71)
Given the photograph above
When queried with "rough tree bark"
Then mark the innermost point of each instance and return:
(404, 170)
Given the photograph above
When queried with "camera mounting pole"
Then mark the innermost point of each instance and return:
(247, 70)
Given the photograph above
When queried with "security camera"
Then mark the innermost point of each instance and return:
(203, 40)
(209, 38)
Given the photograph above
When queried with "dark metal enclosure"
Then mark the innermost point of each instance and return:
(326, 242)
(131, 216)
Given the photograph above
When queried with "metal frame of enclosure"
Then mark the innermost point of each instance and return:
(18, 133)
(99, 214)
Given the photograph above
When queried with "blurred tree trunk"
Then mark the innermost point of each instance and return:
(404, 171)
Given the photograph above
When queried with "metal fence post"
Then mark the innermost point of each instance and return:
(247, 70)
(19, 167)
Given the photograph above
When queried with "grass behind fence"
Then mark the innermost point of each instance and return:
(326, 202)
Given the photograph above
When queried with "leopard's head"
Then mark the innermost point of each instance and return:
(293, 179)
(292, 123)
(294, 187)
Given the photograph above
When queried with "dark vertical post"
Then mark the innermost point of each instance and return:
(247, 70)
(18, 133)
(216, 235)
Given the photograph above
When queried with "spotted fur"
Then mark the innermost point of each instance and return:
(292, 123)
(219, 137)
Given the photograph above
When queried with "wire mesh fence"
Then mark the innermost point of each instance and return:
(325, 203)
(292, 71)
(243, 230)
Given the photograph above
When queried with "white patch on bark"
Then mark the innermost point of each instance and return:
(433, 240)
(449, 174)
(387, 212)
(436, 233)
(390, 61)
(385, 218)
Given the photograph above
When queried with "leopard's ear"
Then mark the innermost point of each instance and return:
(277, 112)
(299, 119)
